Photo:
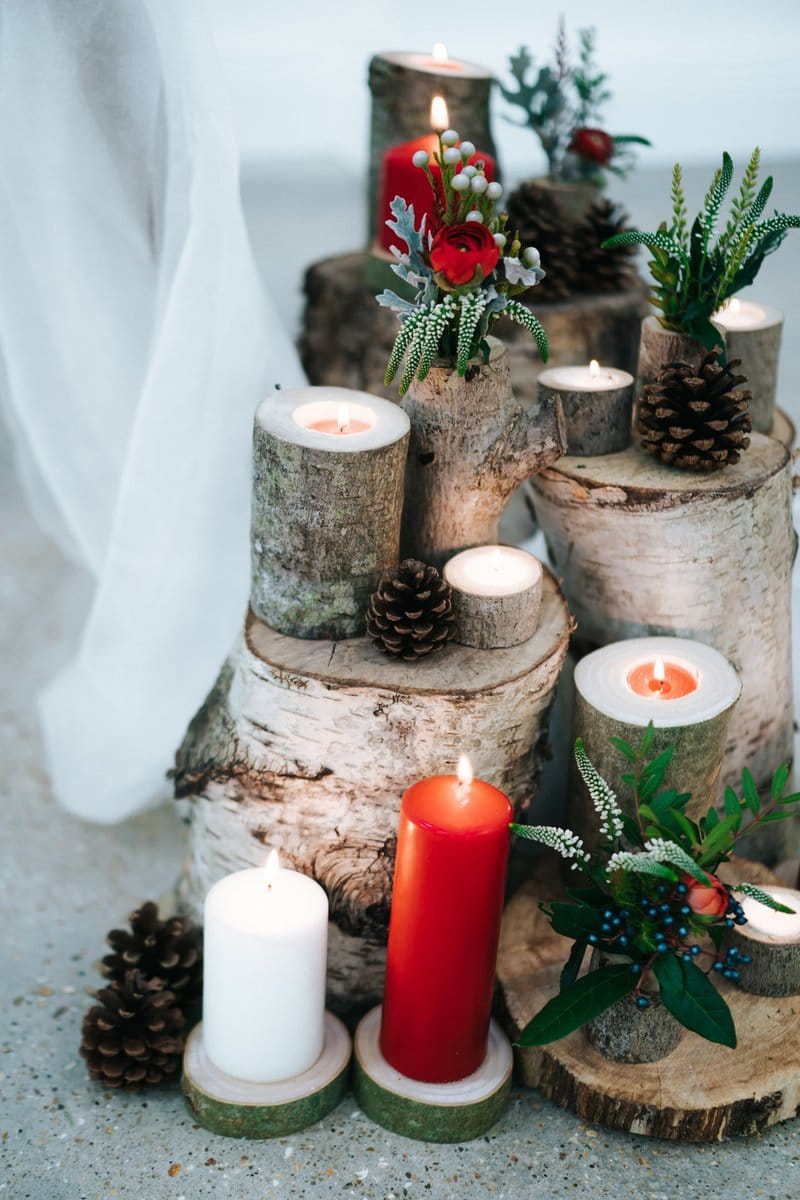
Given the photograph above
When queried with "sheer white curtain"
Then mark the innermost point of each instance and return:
(136, 344)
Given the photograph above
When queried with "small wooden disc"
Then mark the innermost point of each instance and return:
(237, 1108)
(430, 1112)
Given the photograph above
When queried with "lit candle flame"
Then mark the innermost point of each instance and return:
(496, 560)
(464, 771)
(439, 52)
(343, 418)
(594, 368)
(734, 304)
(440, 118)
(659, 674)
(271, 867)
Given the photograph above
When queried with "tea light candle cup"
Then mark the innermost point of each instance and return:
(771, 941)
(497, 594)
(752, 333)
(597, 403)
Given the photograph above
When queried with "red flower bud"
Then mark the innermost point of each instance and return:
(594, 144)
(706, 899)
(464, 254)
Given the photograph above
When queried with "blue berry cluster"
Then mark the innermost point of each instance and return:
(735, 914)
(729, 965)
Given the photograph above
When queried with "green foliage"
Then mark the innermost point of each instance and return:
(694, 275)
(579, 1003)
(693, 1000)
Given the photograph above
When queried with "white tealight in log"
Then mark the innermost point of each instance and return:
(771, 940)
(597, 403)
(752, 333)
(687, 689)
(497, 592)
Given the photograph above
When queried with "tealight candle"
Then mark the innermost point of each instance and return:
(771, 940)
(325, 416)
(752, 333)
(688, 691)
(597, 403)
(264, 962)
(444, 928)
(497, 592)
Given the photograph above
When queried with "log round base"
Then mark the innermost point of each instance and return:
(701, 1092)
(430, 1112)
(236, 1108)
(308, 746)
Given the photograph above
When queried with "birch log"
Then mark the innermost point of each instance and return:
(643, 550)
(759, 349)
(772, 943)
(659, 346)
(402, 87)
(472, 444)
(309, 746)
(596, 421)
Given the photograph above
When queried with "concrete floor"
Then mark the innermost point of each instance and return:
(66, 883)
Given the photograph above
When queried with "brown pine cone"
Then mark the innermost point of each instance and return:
(538, 220)
(134, 1036)
(411, 613)
(599, 270)
(693, 417)
(170, 950)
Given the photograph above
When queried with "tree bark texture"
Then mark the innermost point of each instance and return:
(491, 621)
(347, 337)
(627, 1033)
(699, 1093)
(309, 746)
(642, 550)
(660, 346)
(774, 967)
(401, 104)
(472, 443)
(759, 350)
(596, 422)
(325, 527)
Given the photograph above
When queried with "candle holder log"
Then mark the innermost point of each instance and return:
(401, 103)
(774, 967)
(701, 1092)
(759, 350)
(237, 1108)
(596, 422)
(659, 346)
(472, 443)
(644, 550)
(430, 1112)
(308, 746)
(347, 337)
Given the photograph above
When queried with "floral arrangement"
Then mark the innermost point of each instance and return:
(652, 900)
(562, 104)
(464, 267)
(693, 274)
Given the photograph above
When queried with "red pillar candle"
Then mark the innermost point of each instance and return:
(449, 881)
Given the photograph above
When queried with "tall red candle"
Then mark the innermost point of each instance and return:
(452, 850)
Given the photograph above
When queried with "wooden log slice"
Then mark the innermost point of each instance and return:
(645, 550)
(347, 337)
(308, 746)
(700, 1092)
(237, 1108)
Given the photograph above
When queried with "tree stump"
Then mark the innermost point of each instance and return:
(347, 337)
(308, 746)
(644, 550)
(701, 1092)
(472, 443)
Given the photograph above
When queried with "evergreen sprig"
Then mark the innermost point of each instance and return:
(694, 275)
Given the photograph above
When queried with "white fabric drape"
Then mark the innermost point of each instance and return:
(136, 344)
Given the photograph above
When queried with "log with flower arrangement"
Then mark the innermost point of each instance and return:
(655, 914)
(690, 532)
(346, 683)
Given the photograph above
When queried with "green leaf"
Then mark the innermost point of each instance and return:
(624, 748)
(791, 799)
(574, 921)
(756, 893)
(572, 1008)
(750, 792)
(572, 966)
(693, 1000)
(779, 780)
(647, 738)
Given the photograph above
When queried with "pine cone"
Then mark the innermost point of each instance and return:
(170, 950)
(134, 1036)
(411, 613)
(539, 221)
(693, 418)
(599, 270)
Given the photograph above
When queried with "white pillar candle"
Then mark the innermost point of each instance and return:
(597, 403)
(264, 965)
(752, 333)
(497, 592)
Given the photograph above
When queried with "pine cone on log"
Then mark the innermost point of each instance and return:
(693, 417)
(170, 950)
(539, 221)
(134, 1036)
(411, 613)
(599, 270)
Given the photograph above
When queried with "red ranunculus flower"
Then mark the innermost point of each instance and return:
(464, 253)
(707, 900)
(594, 144)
